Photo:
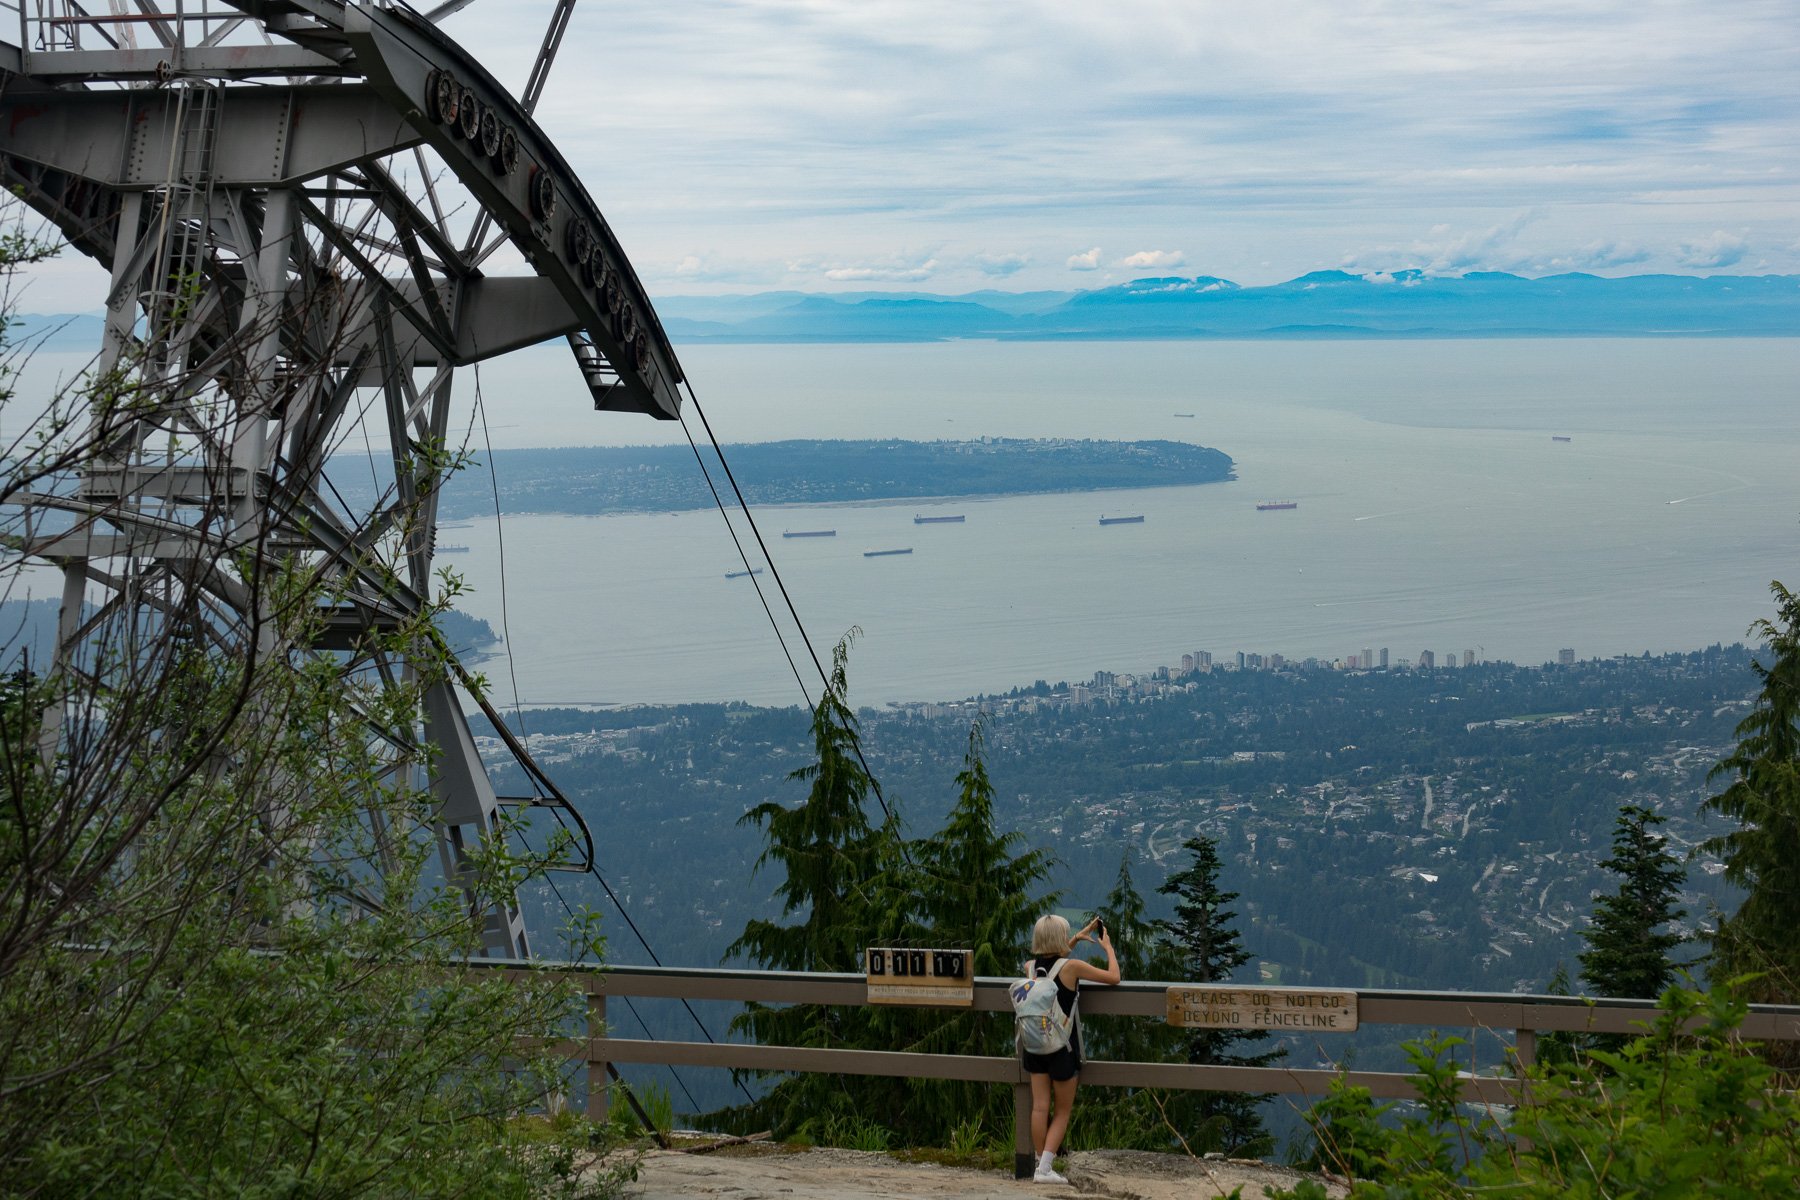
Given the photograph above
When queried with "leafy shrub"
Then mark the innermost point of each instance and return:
(1685, 1110)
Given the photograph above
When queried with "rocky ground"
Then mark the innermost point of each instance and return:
(779, 1173)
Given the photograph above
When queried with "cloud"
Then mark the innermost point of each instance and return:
(999, 266)
(1716, 249)
(1444, 251)
(1087, 260)
(1153, 258)
(892, 270)
(1605, 253)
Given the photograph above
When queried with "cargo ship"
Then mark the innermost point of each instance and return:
(1558, 437)
(452, 549)
(1184, 414)
(741, 574)
(1137, 520)
(809, 533)
(1276, 505)
(885, 553)
(958, 519)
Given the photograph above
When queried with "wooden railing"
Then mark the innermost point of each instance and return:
(1520, 1018)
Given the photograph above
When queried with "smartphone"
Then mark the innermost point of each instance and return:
(1099, 928)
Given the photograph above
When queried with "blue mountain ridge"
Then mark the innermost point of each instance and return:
(1408, 303)
(1319, 304)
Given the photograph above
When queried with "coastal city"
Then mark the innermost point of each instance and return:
(1113, 687)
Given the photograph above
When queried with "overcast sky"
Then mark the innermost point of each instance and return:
(952, 145)
(949, 146)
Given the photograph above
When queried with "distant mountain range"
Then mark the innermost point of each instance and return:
(1323, 304)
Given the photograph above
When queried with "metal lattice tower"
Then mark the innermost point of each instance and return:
(295, 200)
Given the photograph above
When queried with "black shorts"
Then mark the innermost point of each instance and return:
(1064, 1064)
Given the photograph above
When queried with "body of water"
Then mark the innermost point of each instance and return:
(1435, 512)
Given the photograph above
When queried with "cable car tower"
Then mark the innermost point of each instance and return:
(296, 201)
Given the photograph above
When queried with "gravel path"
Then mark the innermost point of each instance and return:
(775, 1173)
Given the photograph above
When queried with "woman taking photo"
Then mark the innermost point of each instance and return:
(1054, 1075)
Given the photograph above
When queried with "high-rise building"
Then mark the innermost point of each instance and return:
(1187, 664)
(1368, 659)
(1240, 660)
(1384, 658)
(1468, 658)
(1427, 660)
(1203, 659)
(1566, 657)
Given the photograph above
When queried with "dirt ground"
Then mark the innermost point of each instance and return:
(777, 1173)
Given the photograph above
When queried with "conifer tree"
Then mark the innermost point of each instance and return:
(1143, 954)
(1762, 855)
(840, 875)
(831, 856)
(980, 890)
(1203, 936)
(1629, 942)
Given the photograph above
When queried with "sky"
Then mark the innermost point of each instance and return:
(950, 146)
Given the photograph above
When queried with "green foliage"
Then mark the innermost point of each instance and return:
(1629, 942)
(841, 874)
(1762, 855)
(857, 884)
(836, 865)
(1202, 939)
(981, 889)
(229, 962)
(1685, 1110)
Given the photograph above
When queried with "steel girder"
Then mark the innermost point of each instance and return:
(295, 200)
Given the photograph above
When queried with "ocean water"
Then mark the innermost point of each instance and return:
(1435, 512)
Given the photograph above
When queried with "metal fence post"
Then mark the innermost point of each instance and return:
(1024, 1158)
(597, 1083)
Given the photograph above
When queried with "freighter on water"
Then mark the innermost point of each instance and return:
(1273, 505)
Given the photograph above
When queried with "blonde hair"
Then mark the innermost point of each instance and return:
(1050, 935)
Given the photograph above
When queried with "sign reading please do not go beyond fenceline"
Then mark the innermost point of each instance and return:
(1308, 1010)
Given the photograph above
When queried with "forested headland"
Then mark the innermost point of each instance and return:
(606, 479)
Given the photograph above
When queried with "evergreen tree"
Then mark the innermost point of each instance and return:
(1204, 938)
(831, 856)
(1629, 942)
(1121, 1118)
(840, 873)
(980, 891)
(1762, 855)
(1142, 955)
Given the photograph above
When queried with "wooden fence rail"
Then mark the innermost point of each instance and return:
(1521, 1018)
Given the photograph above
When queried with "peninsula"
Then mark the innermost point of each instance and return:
(603, 479)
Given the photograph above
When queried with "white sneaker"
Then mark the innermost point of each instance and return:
(1048, 1175)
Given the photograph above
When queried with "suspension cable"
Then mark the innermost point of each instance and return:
(539, 780)
(824, 677)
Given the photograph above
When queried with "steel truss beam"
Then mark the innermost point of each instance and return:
(295, 216)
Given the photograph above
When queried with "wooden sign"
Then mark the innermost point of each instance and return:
(1296, 1010)
(902, 975)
